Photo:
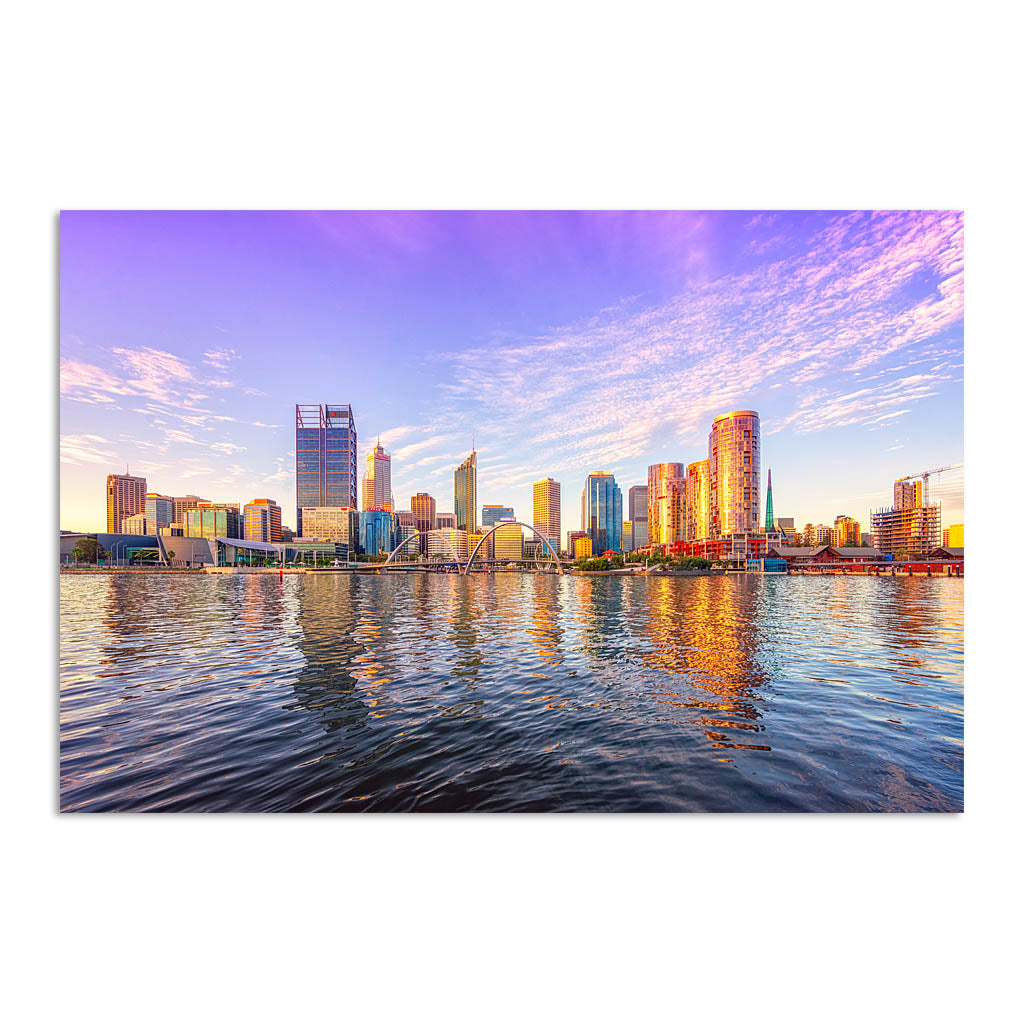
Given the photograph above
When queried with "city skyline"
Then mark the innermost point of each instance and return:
(188, 338)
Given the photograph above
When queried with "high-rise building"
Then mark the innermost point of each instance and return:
(424, 508)
(211, 520)
(159, 511)
(953, 536)
(570, 541)
(377, 531)
(909, 526)
(627, 536)
(326, 471)
(698, 500)
(261, 520)
(126, 496)
(769, 511)
(446, 521)
(666, 502)
(465, 493)
(405, 527)
(444, 543)
(638, 504)
(547, 510)
(601, 512)
(734, 451)
(508, 542)
(377, 481)
(822, 534)
(332, 522)
(491, 514)
(583, 547)
(183, 504)
(640, 537)
(846, 532)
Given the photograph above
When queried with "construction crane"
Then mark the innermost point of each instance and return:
(923, 477)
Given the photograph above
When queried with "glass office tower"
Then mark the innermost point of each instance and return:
(326, 473)
(465, 494)
(601, 512)
(734, 451)
(377, 531)
(491, 514)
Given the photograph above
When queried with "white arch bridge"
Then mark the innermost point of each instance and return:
(464, 569)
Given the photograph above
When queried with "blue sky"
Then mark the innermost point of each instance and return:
(565, 342)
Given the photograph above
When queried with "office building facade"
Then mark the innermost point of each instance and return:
(326, 472)
(465, 494)
(601, 512)
(491, 514)
(734, 454)
(444, 543)
(333, 523)
(261, 520)
(377, 531)
(666, 502)
(508, 542)
(126, 496)
(377, 480)
(638, 504)
(547, 510)
(627, 536)
(446, 521)
(159, 510)
(212, 520)
(424, 508)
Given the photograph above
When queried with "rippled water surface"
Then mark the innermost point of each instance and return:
(510, 692)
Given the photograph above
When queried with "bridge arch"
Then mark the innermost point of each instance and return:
(513, 522)
(416, 536)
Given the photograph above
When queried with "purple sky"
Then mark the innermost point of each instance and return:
(567, 342)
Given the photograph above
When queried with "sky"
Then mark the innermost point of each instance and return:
(563, 342)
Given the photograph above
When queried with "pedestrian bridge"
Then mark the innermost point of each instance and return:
(465, 568)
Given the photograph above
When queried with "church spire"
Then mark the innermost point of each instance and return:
(769, 511)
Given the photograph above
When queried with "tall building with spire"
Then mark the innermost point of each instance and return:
(769, 511)
(465, 493)
(377, 481)
(126, 496)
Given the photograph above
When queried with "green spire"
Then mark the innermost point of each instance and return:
(769, 512)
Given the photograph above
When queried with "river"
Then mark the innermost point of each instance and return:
(510, 692)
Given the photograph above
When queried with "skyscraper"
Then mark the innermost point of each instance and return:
(491, 514)
(547, 510)
(377, 481)
(424, 508)
(769, 511)
(638, 503)
(698, 500)
(601, 512)
(326, 472)
(159, 511)
(465, 494)
(666, 502)
(126, 496)
(261, 520)
(734, 452)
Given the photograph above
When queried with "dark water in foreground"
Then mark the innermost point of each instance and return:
(512, 692)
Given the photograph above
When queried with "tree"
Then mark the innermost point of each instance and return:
(809, 536)
(170, 556)
(88, 549)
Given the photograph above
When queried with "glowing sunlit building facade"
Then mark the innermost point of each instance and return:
(446, 521)
(909, 526)
(444, 543)
(424, 509)
(377, 481)
(601, 512)
(211, 520)
(126, 496)
(627, 535)
(698, 500)
(583, 547)
(159, 511)
(332, 522)
(261, 520)
(734, 454)
(326, 470)
(846, 532)
(953, 536)
(508, 542)
(465, 494)
(547, 510)
(666, 503)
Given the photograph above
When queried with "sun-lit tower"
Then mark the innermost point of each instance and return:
(126, 496)
(547, 510)
(666, 503)
(465, 493)
(377, 481)
(734, 452)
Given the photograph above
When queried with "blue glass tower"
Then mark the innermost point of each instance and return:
(326, 473)
(601, 512)
(377, 531)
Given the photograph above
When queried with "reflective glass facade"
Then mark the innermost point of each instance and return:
(666, 502)
(734, 453)
(377, 532)
(601, 512)
(377, 481)
(325, 458)
(491, 514)
(208, 523)
(465, 494)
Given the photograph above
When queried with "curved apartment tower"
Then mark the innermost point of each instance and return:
(666, 503)
(698, 500)
(734, 454)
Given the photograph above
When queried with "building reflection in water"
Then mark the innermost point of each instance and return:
(708, 643)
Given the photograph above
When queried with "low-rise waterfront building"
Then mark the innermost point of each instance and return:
(446, 542)
(332, 522)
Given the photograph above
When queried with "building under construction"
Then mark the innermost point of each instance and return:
(912, 525)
